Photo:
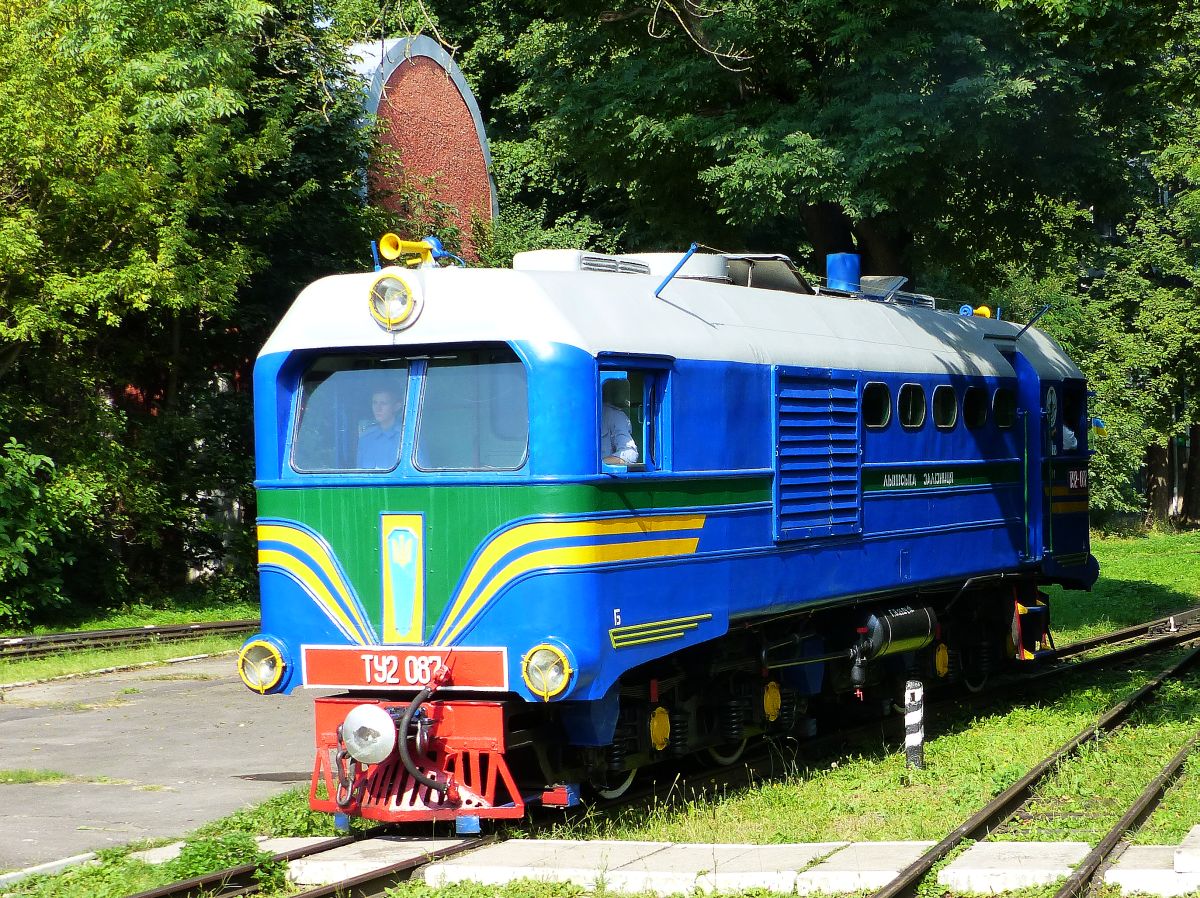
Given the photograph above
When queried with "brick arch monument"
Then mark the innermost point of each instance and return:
(429, 114)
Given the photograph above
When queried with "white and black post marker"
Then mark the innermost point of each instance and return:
(914, 724)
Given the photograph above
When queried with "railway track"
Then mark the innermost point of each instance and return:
(775, 760)
(14, 647)
(21, 647)
(1002, 808)
(241, 880)
(1183, 622)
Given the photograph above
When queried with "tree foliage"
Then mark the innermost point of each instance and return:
(170, 174)
(1024, 150)
(923, 135)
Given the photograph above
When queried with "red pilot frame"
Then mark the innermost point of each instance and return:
(463, 745)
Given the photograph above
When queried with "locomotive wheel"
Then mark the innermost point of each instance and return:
(974, 680)
(975, 668)
(727, 754)
(609, 788)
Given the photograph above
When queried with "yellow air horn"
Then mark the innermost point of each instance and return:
(392, 247)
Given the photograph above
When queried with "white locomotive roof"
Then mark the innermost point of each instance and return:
(618, 313)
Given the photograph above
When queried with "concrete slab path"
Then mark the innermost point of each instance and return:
(362, 858)
(666, 869)
(152, 753)
(860, 865)
(1152, 870)
(990, 868)
(832, 867)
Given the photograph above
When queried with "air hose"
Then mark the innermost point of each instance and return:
(439, 678)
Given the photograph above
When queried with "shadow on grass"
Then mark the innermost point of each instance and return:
(1111, 605)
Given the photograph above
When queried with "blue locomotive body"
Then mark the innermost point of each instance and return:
(819, 493)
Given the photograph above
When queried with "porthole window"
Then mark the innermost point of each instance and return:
(945, 407)
(1004, 407)
(876, 405)
(912, 405)
(975, 407)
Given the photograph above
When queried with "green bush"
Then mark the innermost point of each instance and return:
(40, 505)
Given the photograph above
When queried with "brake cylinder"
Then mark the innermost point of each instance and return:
(895, 631)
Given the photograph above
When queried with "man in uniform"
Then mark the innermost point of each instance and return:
(379, 444)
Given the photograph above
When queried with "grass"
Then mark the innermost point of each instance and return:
(22, 777)
(76, 662)
(214, 846)
(1087, 794)
(1141, 578)
(25, 777)
(145, 615)
(188, 610)
(1179, 812)
(869, 794)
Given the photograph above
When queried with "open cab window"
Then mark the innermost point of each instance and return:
(631, 427)
(1075, 421)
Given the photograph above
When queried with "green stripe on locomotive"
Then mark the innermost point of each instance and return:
(458, 520)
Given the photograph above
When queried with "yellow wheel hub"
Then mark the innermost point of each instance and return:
(772, 701)
(660, 728)
(941, 659)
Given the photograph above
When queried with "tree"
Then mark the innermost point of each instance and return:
(211, 167)
(925, 136)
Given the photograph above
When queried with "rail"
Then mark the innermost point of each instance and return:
(1008, 802)
(14, 647)
(240, 880)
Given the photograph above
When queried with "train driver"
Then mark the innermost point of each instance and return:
(617, 445)
(379, 444)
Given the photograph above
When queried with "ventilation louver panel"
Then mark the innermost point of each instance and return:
(818, 480)
(612, 264)
(598, 263)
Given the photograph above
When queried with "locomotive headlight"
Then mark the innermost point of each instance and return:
(260, 665)
(546, 671)
(369, 733)
(394, 303)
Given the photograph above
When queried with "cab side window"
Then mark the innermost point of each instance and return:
(1074, 417)
(630, 419)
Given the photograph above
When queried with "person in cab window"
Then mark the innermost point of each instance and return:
(1070, 441)
(617, 445)
(379, 444)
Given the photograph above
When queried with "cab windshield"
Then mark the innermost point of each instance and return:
(351, 415)
(473, 413)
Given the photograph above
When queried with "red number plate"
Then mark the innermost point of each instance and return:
(379, 667)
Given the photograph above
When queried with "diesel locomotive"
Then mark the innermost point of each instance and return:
(816, 493)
